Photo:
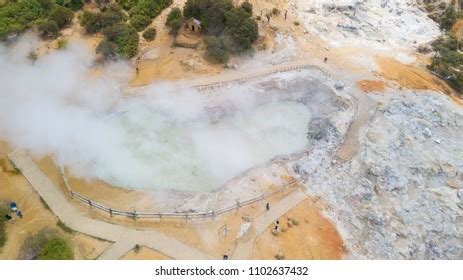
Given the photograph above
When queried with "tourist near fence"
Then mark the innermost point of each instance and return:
(183, 215)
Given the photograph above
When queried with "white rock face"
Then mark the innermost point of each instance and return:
(392, 199)
(379, 24)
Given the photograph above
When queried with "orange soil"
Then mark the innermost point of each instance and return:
(315, 237)
(409, 76)
(371, 85)
(36, 216)
(458, 28)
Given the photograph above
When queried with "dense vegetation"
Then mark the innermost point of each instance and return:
(48, 17)
(230, 29)
(47, 245)
(142, 12)
(121, 39)
(448, 59)
(174, 20)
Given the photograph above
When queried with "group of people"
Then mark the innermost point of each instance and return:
(14, 209)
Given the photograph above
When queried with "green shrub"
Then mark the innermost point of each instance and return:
(46, 5)
(275, 12)
(56, 248)
(125, 37)
(64, 227)
(62, 44)
(449, 17)
(140, 22)
(72, 4)
(174, 20)
(216, 49)
(448, 61)
(149, 34)
(258, 18)
(107, 49)
(297, 23)
(242, 29)
(62, 16)
(221, 18)
(95, 22)
(48, 29)
(247, 7)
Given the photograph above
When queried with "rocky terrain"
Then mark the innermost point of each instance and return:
(401, 196)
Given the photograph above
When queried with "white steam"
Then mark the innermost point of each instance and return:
(171, 138)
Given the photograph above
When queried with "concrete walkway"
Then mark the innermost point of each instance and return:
(125, 238)
(261, 223)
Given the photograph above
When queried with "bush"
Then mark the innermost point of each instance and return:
(275, 12)
(3, 212)
(62, 16)
(95, 22)
(449, 18)
(107, 49)
(46, 5)
(56, 248)
(247, 7)
(48, 29)
(174, 20)
(140, 22)
(72, 4)
(216, 50)
(297, 23)
(62, 44)
(448, 61)
(149, 34)
(125, 37)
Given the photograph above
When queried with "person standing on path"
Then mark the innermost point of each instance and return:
(267, 206)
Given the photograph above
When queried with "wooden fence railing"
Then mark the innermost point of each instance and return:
(184, 215)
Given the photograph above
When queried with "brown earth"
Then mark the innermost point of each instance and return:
(145, 254)
(371, 85)
(409, 76)
(36, 217)
(313, 238)
(458, 28)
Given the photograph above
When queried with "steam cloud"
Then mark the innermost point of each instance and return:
(170, 138)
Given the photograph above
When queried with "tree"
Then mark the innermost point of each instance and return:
(174, 20)
(216, 49)
(140, 22)
(62, 16)
(149, 34)
(107, 49)
(242, 29)
(48, 29)
(15, 17)
(209, 12)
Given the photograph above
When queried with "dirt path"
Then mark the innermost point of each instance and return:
(366, 108)
(261, 223)
(124, 238)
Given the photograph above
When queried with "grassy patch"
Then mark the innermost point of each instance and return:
(46, 245)
(64, 227)
(44, 203)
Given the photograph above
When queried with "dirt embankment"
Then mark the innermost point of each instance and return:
(313, 237)
(409, 76)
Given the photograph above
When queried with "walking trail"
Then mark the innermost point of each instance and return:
(261, 223)
(124, 238)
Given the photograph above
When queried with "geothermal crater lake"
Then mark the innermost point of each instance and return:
(204, 149)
